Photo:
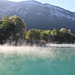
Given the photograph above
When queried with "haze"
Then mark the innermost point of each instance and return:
(66, 4)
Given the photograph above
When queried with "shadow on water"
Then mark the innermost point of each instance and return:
(32, 60)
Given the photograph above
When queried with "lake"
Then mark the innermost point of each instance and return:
(32, 60)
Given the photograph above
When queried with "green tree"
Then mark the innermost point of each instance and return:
(5, 18)
(20, 28)
(12, 28)
(54, 32)
(33, 34)
(66, 36)
(54, 35)
(45, 35)
(63, 30)
(6, 28)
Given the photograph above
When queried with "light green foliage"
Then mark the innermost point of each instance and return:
(58, 36)
(5, 18)
(69, 31)
(45, 35)
(54, 32)
(33, 34)
(63, 30)
(54, 35)
(47, 32)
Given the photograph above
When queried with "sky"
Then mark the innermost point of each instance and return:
(66, 4)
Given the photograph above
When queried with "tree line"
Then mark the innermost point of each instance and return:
(54, 36)
(14, 29)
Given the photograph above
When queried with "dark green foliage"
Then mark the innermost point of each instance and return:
(13, 29)
(19, 30)
(66, 36)
(6, 28)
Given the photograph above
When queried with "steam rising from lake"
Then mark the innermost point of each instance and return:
(61, 45)
(30, 60)
(50, 50)
(25, 50)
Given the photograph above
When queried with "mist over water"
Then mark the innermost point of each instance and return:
(33, 60)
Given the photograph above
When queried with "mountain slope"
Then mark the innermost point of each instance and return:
(38, 15)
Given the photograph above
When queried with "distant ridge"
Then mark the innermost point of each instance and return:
(38, 15)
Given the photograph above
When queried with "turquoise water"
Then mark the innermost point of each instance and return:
(36, 61)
